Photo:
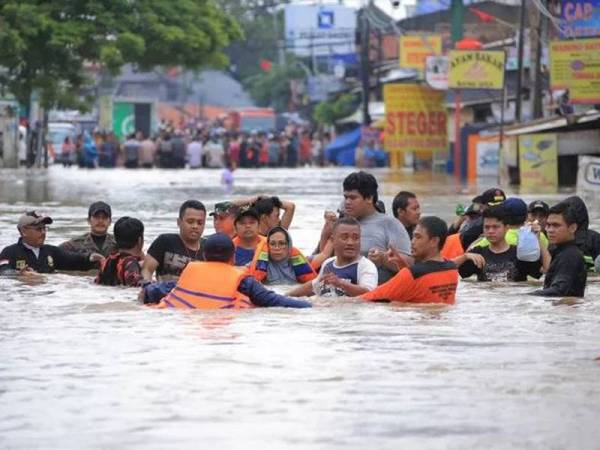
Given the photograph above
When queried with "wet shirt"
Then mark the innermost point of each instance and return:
(120, 269)
(382, 231)
(50, 258)
(86, 244)
(172, 255)
(424, 282)
(243, 256)
(503, 266)
(567, 274)
(361, 272)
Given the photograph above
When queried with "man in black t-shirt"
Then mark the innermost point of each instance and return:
(170, 253)
(498, 261)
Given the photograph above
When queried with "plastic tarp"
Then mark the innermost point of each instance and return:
(343, 148)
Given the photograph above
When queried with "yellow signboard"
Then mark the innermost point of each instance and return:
(538, 161)
(415, 118)
(415, 49)
(476, 69)
(575, 65)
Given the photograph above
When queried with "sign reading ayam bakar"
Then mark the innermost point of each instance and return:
(473, 69)
(415, 118)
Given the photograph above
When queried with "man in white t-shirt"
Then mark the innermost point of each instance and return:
(214, 151)
(345, 274)
(194, 153)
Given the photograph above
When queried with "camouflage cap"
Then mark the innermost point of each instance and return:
(225, 208)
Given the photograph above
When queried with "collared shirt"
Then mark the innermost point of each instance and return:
(18, 257)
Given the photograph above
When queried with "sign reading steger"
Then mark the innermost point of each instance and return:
(415, 118)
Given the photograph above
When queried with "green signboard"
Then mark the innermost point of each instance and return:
(123, 119)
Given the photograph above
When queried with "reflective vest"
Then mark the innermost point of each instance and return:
(302, 268)
(452, 247)
(208, 285)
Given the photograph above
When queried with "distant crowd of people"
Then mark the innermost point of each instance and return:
(211, 147)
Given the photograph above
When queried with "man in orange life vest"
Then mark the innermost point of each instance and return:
(217, 284)
(431, 279)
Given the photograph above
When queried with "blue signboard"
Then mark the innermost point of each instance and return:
(579, 18)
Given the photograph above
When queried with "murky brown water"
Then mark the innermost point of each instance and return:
(83, 366)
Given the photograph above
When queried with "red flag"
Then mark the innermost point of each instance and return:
(483, 16)
(266, 65)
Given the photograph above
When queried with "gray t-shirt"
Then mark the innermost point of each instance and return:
(382, 231)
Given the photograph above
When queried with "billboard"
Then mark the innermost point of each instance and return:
(415, 49)
(320, 30)
(538, 160)
(476, 69)
(579, 18)
(415, 118)
(575, 65)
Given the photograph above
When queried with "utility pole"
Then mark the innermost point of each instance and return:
(457, 11)
(538, 111)
(365, 66)
(519, 93)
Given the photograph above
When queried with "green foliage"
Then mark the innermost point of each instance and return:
(273, 88)
(329, 111)
(44, 44)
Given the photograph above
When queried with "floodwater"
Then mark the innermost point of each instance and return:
(86, 367)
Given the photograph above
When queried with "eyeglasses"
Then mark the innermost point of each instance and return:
(278, 244)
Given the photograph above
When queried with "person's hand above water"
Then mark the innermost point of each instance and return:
(477, 259)
(377, 256)
(96, 257)
(396, 258)
(332, 279)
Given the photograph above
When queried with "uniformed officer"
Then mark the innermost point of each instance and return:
(97, 240)
(30, 254)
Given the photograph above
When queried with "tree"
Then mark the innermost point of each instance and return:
(273, 88)
(45, 44)
(329, 111)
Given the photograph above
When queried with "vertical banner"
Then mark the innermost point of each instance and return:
(538, 160)
(123, 119)
(415, 118)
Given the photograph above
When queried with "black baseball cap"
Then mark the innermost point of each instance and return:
(224, 208)
(97, 207)
(246, 211)
(539, 205)
(474, 209)
(493, 197)
(218, 247)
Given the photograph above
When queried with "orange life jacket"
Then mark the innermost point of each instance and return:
(452, 247)
(208, 285)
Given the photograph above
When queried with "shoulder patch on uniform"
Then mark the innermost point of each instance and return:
(50, 260)
(20, 264)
